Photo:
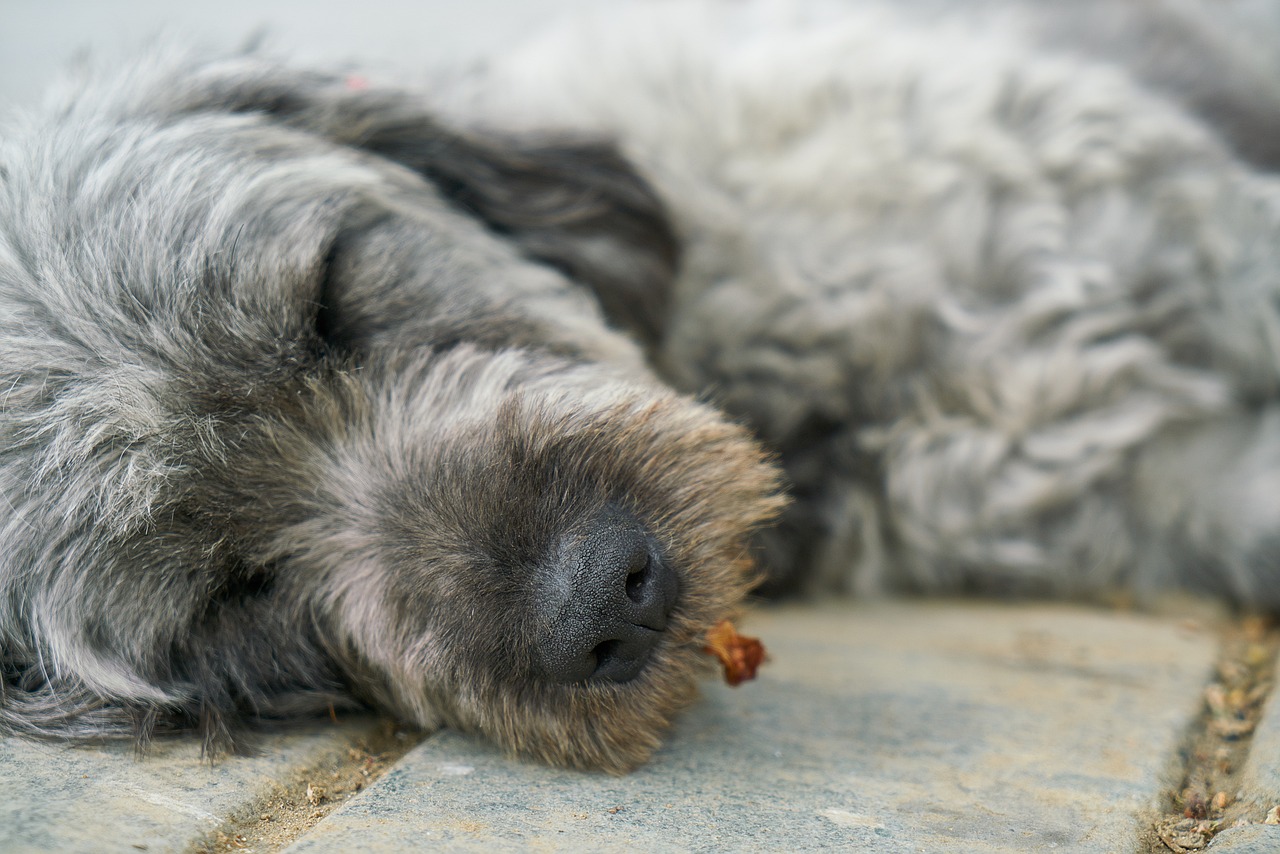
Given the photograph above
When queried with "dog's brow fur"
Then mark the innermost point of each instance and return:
(304, 387)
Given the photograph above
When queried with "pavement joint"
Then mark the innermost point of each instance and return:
(303, 799)
(1209, 795)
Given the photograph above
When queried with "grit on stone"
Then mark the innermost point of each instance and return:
(875, 727)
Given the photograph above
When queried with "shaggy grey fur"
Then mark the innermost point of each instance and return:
(306, 394)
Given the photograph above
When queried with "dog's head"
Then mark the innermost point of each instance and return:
(528, 548)
(365, 363)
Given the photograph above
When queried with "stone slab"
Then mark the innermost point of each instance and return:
(104, 798)
(876, 727)
(1252, 839)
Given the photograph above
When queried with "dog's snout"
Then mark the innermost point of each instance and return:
(605, 602)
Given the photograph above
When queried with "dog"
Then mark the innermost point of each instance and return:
(317, 393)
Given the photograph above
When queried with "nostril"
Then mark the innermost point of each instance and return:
(637, 581)
(649, 594)
(604, 602)
(605, 654)
(621, 659)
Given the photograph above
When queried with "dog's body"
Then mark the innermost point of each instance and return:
(307, 395)
(985, 306)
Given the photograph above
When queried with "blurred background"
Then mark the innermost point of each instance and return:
(39, 37)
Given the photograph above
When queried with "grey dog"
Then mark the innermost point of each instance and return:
(308, 396)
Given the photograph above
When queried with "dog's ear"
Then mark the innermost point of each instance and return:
(575, 204)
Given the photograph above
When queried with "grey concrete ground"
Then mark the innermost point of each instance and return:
(889, 727)
(875, 727)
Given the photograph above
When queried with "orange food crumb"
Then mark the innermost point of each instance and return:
(740, 655)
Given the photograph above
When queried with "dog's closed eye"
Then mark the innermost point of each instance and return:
(327, 327)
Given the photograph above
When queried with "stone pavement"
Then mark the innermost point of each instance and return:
(875, 727)
(103, 798)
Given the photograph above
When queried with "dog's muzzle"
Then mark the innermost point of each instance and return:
(604, 602)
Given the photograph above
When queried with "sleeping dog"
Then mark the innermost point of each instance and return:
(315, 393)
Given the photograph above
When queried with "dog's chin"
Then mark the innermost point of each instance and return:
(612, 726)
(598, 724)
(711, 503)
(494, 570)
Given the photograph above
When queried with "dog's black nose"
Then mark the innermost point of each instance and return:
(604, 602)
